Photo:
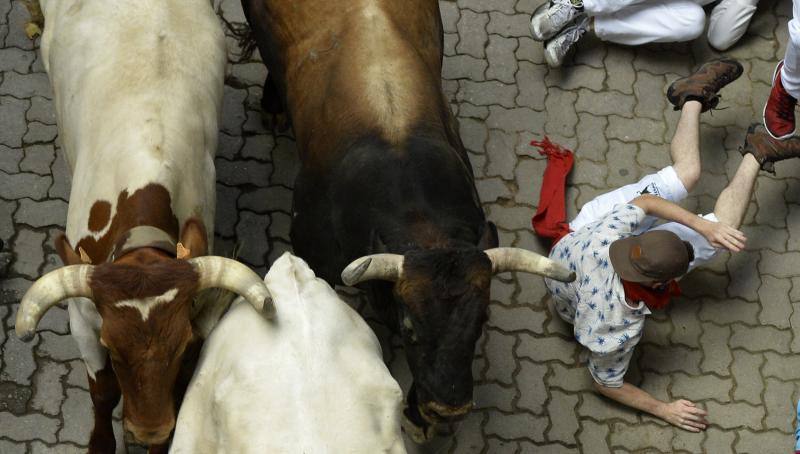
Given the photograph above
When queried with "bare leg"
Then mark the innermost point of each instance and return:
(685, 146)
(734, 200)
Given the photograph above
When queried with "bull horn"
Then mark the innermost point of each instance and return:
(49, 290)
(386, 267)
(516, 259)
(228, 274)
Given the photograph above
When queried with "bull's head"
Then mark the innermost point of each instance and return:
(145, 301)
(443, 297)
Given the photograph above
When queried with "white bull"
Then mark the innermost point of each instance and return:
(311, 381)
(138, 91)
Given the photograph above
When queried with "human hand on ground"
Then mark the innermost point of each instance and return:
(723, 236)
(684, 414)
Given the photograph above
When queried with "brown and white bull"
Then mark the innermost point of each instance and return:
(138, 88)
(386, 182)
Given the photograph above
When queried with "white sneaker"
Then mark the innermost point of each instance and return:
(551, 17)
(557, 48)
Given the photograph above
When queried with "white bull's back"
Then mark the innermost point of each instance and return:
(138, 88)
(312, 381)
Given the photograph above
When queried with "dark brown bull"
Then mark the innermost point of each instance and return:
(384, 172)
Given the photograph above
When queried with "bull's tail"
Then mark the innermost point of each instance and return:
(35, 26)
(244, 37)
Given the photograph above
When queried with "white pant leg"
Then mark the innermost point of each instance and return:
(596, 7)
(729, 21)
(659, 21)
(790, 74)
(664, 184)
(704, 252)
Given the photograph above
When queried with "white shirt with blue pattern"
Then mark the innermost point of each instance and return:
(595, 302)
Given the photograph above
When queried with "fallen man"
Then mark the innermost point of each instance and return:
(625, 265)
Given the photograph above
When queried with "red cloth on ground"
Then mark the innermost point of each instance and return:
(550, 220)
(654, 299)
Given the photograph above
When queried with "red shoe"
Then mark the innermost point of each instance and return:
(779, 110)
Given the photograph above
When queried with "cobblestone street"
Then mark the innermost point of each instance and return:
(729, 344)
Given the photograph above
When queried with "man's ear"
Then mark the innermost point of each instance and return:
(489, 238)
(194, 241)
(65, 251)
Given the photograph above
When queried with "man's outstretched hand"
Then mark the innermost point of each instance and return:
(722, 236)
(683, 414)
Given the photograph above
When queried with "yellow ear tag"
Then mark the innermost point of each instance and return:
(84, 256)
(182, 252)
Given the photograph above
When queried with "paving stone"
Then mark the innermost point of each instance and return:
(13, 397)
(719, 441)
(487, 93)
(701, 387)
(474, 134)
(464, 67)
(39, 133)
(575, 77)
(671, 359)
(641, 436)
(520, 425)
(12, 120)
(29, 427)
(65, 448)
(58, 347)
(776, 308)
(450, 15)
(8, 447)
(498, 350)
(25, 85)
(771, 441)
(634, 130)
(17, 186)
(286, 162)
(604, 103)
(492, 189)
(517, 25)
(492, 395)
(56, 319)
(745, 279)
(38, 159)
(28, 246)
(546, 349)
(62, 179)
(233, 115)
(41, 214)
(252, 231)
(77, 375)
(10, 159)
(244, 172)
(501, 58)
(760, 338)
(13, 59)
(745, 371)
(472, 30)
(780, 406)
(41, 111)
(561, 408)
(78, 428)
(49, 393)
(533, 392)
(227, 214)
(500, 146)
(594, 436)
(504, 6)
(561, 116)
(687, 327)
(714, 342)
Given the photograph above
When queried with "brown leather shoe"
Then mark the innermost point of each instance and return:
(703, 84)
(768, 150)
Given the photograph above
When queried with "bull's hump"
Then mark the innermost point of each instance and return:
(381, 81)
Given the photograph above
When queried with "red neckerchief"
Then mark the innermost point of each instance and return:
(654, 299)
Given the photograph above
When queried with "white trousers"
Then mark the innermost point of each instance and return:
(790, 75)
(634, 22)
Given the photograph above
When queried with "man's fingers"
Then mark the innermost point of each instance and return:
(697, 411)
(689, 428)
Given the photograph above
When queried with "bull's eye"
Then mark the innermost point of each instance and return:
(408, 328)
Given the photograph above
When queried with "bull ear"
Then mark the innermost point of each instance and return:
(489, 238)
(66, 252)
(194, 240)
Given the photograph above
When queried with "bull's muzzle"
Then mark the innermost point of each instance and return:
(150, 435)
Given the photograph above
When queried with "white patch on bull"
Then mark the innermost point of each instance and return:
(145, 305)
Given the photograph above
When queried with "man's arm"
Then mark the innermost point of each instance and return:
(717, 233)
(680, 413)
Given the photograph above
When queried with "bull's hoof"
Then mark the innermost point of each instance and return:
(102, 444)
(32, 30)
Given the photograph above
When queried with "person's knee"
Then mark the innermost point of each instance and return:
(692, 22)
